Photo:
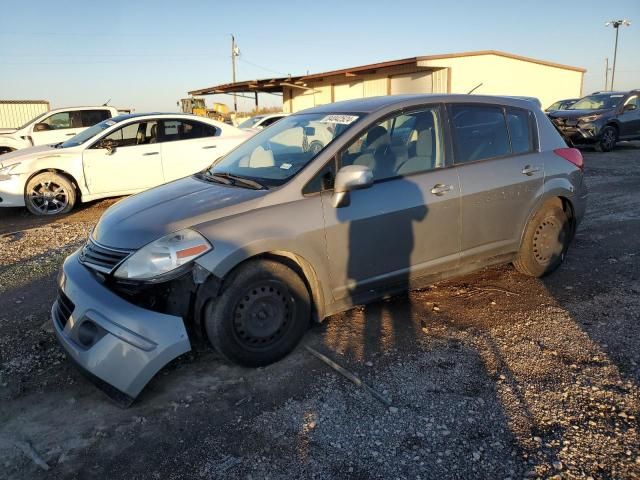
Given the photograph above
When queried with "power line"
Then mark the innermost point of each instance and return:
(261, 67)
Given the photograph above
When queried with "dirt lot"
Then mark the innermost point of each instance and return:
(494, 375)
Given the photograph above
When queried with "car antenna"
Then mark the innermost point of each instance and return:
(106, 103)
(474, 88)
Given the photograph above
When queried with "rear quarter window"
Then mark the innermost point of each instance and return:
(520, 130)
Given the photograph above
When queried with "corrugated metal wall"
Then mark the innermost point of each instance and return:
(15, 113)
(400, 79)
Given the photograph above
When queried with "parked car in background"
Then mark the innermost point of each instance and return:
(561, 104)
(53, 126)
(119, 156)
(600, 119)
(267, 239)
(261, 121)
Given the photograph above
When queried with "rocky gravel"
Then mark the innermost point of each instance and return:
(493, 375)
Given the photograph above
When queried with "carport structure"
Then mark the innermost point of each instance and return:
(489, 72)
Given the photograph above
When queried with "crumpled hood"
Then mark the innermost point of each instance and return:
(575, 113)
(28, 154)
(140, 219)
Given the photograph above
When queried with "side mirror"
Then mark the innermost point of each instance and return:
(351, 177)
(629, 107)
(109, 144)
(41, 127)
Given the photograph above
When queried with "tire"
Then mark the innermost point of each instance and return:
(608, 139)
(546, 240)
(261, 314)
(49, 193)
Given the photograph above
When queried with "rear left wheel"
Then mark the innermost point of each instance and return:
(546, 240)
(261, 314)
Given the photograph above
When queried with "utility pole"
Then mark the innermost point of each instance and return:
(616, 24)
(235, 52)
(606, 73)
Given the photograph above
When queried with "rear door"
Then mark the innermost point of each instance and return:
(135, 163)
(501, 175)
(407, 223)
(189, 146)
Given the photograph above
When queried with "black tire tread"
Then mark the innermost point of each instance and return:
(524, 261)
(218, 311)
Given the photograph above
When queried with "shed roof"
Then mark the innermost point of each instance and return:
(277, 84)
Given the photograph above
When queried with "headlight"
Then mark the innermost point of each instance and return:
(589, 118)
(164, 255)
(5, 172)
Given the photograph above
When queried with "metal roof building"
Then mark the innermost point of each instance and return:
(488, 72)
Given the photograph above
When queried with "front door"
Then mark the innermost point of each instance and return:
(134, 164)
(59, 127)
(406, 224)
(501, 176)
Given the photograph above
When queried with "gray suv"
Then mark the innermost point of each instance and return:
(404, 191)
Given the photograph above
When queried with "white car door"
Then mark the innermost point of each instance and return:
(189, 146)
(133, 163)
(57, 128)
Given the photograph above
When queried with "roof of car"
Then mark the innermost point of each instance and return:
(127, 116)
(372, 104)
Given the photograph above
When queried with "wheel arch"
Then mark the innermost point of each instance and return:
(561, 199)
(302, 267)
(61, 172)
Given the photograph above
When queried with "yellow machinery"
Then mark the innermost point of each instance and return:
(197, 106)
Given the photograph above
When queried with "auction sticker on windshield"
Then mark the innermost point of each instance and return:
(341, 119)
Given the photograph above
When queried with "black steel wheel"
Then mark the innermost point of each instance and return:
(546, 240)
(260, 315)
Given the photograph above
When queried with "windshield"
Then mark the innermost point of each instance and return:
(250, 122)
(597, 102)
(277, 153)
(33, 120)
(87, 134)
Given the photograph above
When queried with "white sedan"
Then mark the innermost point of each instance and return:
(119, 156)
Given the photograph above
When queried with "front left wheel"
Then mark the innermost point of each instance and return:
(49, 193)
(260, 315)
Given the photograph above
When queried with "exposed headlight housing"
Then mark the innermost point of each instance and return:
(164, 256)
(590, 118)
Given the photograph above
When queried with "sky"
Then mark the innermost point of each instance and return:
(146, 55)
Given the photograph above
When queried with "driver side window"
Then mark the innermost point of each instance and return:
(401, 145)
(138, 133)
(62, 120)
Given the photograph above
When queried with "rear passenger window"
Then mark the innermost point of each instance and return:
(480, 132)
(186, 130)
(520, 130)
(90, 117)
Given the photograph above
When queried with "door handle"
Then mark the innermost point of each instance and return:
(440, 189)
(209, 146)
(529, 170)
(70, 134)
(149, 153)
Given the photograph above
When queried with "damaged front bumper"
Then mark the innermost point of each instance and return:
(117, 343)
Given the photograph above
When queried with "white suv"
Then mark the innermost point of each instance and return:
(54, 126)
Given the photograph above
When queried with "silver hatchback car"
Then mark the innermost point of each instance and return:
(403, 190)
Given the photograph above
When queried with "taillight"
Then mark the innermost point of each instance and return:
(572, 155)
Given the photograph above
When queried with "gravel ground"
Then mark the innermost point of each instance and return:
(493, 375)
